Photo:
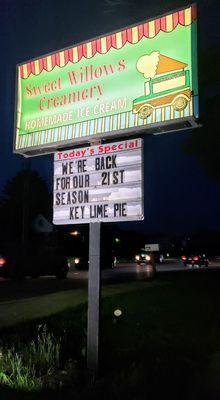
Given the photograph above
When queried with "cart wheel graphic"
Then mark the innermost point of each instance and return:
(180, 103)
(145, 112)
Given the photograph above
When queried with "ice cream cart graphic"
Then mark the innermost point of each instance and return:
(167, 84)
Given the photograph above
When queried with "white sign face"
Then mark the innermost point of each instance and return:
(152, 247)
(99, 183)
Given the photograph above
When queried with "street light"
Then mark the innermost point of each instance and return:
(74, 233)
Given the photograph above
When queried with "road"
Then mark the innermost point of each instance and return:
(124, 272)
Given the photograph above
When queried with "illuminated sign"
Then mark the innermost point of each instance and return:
(99, 183)
(141, 77)
(151, 247)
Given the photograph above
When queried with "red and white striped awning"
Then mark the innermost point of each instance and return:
(116, 40)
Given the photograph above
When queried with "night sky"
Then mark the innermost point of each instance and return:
(182, 195)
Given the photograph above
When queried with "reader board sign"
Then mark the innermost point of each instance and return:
(99, 183)
(140, 77)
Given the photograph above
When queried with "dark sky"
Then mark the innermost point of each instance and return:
(180, 196)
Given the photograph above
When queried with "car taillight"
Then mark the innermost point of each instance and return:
(184, 258)
(195, 258)
(2, 261)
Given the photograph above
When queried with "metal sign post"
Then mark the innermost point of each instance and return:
(93, 298)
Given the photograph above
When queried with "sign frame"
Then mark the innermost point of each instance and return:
(140, 147)
(31, 148)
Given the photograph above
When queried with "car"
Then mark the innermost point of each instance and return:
(3, 266)
(146, 257)
(195, 260)
(33, 261)
(81, 262)
(143, 258)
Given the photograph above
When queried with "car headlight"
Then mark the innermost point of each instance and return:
(147, 257)
(77, 261)
(137, 258)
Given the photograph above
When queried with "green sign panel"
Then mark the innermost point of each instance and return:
(140, 77)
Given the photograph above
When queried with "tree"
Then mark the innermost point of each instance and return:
(204, 143)
(23, 198)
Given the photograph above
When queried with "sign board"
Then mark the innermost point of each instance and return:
(151, 247)
(99, 183)
(143, 77)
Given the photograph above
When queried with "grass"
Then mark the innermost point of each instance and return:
(166, 342)
(23, 310)
(24, 366)
(18, 311)
(16, 375)
(170, 335)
